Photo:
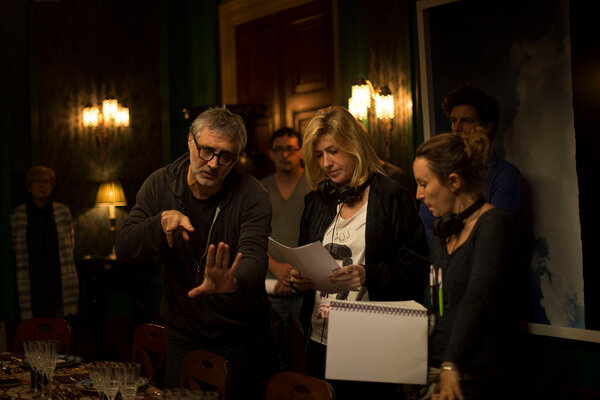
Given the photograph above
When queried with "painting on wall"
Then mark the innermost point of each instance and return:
(523, 60)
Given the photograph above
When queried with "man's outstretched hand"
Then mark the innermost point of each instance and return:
(218, 277)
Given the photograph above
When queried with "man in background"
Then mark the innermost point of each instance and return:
(469, 107)
(287, 188)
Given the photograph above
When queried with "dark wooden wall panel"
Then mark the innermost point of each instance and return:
(258, 74)
(285, 62)
(308, 55)
(84, 52)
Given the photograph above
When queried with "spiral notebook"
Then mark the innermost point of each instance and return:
(377, 342)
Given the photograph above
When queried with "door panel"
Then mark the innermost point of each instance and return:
(308, 54)
(285, 62)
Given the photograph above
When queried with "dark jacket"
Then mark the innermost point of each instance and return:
(396, 250)
(242, 220)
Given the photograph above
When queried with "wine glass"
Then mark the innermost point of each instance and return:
(95, 371)
(49, 355)
(128, 374)
(31, 354)
(110, 379)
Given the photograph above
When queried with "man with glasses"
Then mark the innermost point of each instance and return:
(210, 224)
(287, 188)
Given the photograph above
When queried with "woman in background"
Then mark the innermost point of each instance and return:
(369, 224)
(473, 251)
(43, 245)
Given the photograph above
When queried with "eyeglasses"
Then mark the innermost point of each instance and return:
(285, 149)
(224, 158)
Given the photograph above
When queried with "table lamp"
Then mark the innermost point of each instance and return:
(111, 194)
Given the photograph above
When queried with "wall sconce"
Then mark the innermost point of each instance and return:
(363, 97)
(113, 115)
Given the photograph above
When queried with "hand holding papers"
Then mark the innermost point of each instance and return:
(313, 262)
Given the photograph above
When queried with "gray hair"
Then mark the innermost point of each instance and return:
(39, 171)
(224, 121)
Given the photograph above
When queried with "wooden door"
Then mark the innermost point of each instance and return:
(285, 62)
(308, 62)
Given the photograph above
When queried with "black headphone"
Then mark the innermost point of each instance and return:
(346, 194)
(452, 224)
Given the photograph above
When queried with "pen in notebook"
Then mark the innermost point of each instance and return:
(440, 292)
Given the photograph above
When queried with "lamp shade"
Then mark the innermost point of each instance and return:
(111, 194)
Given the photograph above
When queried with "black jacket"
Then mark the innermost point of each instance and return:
(396, 250)
(242, 220)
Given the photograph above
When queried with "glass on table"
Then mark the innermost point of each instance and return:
(47, 363)
(128, 375)
(110, 379)
(96, 376)
(32, 350)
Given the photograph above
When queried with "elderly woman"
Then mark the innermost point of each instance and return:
(366, 220)
(473, 251)
(43, 244)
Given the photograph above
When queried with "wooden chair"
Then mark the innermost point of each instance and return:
(294, 386)
(201, 368)
(150, 349)
(44, 329)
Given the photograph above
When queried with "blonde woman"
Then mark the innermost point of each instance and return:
(366, 220)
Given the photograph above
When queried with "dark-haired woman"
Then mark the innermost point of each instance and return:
(473, 252)
(367, 221)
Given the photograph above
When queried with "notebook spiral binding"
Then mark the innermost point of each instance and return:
(376, 308)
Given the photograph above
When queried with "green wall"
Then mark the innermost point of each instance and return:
(190, 46)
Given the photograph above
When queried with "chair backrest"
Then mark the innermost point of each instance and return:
(294, 386)
(204, 367)
(150, 349)
(44, 329)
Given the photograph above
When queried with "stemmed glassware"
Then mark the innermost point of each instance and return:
(95, 370)
(47, 363)
(110, 379)
(32, 350)
(128, 374)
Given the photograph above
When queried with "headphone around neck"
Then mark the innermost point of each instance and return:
(451, 224)
(346, 194)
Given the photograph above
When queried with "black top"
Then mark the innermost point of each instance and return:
(396, 249)
(241, 219)
(44, 262)
(479, 294)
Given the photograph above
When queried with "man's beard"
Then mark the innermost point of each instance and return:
(197, 172)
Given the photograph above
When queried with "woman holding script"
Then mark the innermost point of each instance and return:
(368, 223)
(473, 251)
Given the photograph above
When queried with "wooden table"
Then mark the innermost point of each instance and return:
(63, 382)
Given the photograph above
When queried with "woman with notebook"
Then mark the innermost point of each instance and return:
(473, 255)
(366, 220)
